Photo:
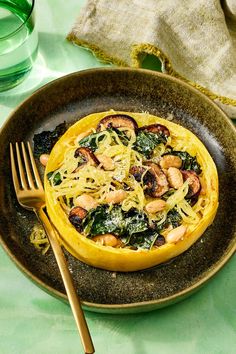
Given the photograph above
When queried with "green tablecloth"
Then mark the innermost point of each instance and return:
(33, 322)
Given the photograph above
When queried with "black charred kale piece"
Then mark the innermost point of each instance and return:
(147, 141)
(188, 162)
(44, 142)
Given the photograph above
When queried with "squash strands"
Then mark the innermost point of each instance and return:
(150, 163)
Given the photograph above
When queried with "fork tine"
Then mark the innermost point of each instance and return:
(13, 170)
(21, 169)
(27, 166)
(34, 167)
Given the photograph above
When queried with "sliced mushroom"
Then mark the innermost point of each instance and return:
(155, 180)
(156, 129)
(193, 181)
(137, 172)
(193, 200)
(117, 121)
(86, 156)
(77, 214)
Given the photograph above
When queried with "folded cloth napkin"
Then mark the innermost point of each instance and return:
(194, 40)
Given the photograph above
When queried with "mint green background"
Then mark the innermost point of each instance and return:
(33, 322)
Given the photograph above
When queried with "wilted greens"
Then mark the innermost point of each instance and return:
(147, 141)
(131, 227)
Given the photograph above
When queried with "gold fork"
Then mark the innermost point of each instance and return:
(30, 195)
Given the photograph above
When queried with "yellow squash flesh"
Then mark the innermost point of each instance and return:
(122, 259)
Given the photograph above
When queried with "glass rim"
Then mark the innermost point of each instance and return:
(22, 25)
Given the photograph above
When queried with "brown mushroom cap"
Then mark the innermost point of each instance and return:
(137, 172)
(77, 214)
(194, 182)
(87, 155)
(154, 179)
(117, 121)
(156, 129)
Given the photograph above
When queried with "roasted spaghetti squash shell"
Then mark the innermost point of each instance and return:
(126, 260)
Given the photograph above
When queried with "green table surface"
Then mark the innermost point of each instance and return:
(33, 322)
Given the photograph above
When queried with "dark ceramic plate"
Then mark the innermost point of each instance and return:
(76, 95)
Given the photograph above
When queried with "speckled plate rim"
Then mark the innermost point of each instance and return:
(134, 306)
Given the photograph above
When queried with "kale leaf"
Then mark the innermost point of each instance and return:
(121, 134)
(147, 141)
(132, 226)
(135, 222)
(144, 240)
(56, 179)
(173, 219)
(101, 221)
(91, 141)
(44, 142)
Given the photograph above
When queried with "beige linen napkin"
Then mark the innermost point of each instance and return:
(195, 40)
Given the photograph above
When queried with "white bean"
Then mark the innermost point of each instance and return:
(86, 202)
(44, 159)
(106, 162)
(176, 234)
(170, 161)
(155, 206)
(116, 197)
(175, 177)
(106, 240)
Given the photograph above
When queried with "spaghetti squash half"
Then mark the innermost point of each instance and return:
(128, 191)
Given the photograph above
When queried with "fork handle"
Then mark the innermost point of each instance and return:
(68, 282)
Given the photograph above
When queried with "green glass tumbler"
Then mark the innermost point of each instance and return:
(18, 41)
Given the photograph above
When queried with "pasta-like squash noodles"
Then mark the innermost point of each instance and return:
(97, 182)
